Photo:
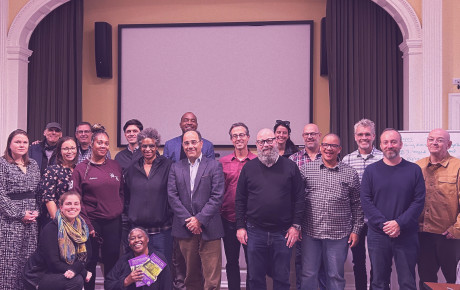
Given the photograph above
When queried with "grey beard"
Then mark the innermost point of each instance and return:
(269, 158)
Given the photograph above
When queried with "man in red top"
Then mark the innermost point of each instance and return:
(232, 165)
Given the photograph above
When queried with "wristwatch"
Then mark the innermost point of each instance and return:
(297, 227)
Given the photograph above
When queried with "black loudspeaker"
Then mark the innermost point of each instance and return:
(103, 48)
(323, 55)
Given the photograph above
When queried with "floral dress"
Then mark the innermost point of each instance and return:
(18, 240)
(55, 181)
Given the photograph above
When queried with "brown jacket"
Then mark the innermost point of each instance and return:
(441, 211)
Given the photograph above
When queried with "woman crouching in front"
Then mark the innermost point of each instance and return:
(121, 277)
(63, 249)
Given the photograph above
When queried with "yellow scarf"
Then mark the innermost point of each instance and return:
(72, 238)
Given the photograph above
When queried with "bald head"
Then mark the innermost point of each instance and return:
(311, 137)
(188, 122)
(438, 143)
(265, 134)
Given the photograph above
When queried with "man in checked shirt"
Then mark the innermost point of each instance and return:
(333, 217)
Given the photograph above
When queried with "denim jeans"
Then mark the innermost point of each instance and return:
(382, 249)
(331, 253)
(232, 254)
(268, 247)
(163, 243)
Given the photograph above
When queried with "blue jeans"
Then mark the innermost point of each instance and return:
(331, 253)
(268, 247)
(163, 243)
(382, 249)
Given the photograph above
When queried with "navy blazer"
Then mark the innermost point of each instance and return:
(203, 203)
(173, 146)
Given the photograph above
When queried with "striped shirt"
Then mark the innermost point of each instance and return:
(333, 209)
(358, 162)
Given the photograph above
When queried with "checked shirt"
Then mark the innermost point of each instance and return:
(333, 208)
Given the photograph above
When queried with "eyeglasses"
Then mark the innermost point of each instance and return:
(193, 142)
(241, 135)
(284, 123)
(145, 146)
(308, 134)
(438, 140)
(83, 131)
(57, 130)
(333, 146)
(67, 149)
(269, 141)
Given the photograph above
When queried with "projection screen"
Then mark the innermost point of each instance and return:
(254, 73)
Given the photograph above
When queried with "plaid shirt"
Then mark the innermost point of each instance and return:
(333, 209)
(356, 161)
(300, 158)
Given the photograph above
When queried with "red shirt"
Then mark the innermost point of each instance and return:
(232, 168)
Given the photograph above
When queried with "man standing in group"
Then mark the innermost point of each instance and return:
(333, 217)
(439, 224)
(42, 152)
(131, 152)
(83, 135)
(269, 208)
(124, 159)
(173, 148)
(392, 196)
(195, 190)
(311, 137)
(359, 160)
(232, 165)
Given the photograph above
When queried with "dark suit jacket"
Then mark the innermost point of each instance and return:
(204, 202)
(173, 147)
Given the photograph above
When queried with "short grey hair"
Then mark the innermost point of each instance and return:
(151, 134)
(365, 123)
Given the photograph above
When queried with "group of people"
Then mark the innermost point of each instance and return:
(87, 208)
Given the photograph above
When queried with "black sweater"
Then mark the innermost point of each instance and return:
(48, 249)
(148, 196)
(272, 198)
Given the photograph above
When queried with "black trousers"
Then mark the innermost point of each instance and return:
(60, 282)
(107, 241)
(359, 261)
(436, 251)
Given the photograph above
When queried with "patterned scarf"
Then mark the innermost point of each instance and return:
(72, 239)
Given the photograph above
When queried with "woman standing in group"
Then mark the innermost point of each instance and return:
(63, 250)
(282, 131)
(100, 182)
(146, 186)
(56, 179)
(19, 177)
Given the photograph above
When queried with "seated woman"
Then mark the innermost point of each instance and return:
(63, 250)
(121, 277)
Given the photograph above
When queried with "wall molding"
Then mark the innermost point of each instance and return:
(17, 54)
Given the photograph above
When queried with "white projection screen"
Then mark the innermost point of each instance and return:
(256, 73)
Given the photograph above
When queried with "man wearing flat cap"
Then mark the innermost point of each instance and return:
(42, 152)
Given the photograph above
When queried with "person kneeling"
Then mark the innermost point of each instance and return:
(63, 251)
(121, 277)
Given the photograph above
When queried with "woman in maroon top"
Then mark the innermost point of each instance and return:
(100, 182)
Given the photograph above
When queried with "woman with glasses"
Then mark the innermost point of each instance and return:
(100, 182)
(282, 131)
(146, 188)
(56, 179)
(19, 177)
